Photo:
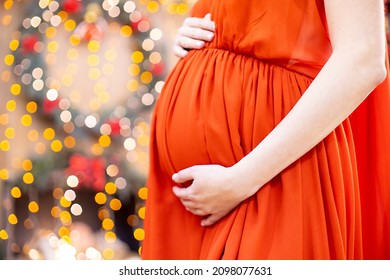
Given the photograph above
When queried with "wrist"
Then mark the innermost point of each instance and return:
(248, 181)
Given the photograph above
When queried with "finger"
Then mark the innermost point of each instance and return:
(195, 33)
(184, 175)
(203, 23)
(210, 220)
(189, 43)
(179, 51)
(183, 193)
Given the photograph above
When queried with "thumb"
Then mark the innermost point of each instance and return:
(183, 175)
(208, 16)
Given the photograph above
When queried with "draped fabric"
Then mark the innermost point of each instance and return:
(218, 103)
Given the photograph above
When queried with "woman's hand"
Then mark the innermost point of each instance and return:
(193, 34)
(215, 190)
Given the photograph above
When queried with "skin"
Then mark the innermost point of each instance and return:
(355, 68)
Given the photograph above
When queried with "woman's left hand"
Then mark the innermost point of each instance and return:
(215, 190)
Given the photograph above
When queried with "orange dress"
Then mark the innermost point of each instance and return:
(218, 103)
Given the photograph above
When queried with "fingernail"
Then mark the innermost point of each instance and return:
(174, 177)
(210, 36)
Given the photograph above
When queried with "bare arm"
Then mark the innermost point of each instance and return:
(354, 69)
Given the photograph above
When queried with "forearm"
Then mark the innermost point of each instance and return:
(339, 88)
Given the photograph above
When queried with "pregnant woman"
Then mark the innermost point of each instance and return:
(253, 151)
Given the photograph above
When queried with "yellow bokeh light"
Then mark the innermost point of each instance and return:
(141, 212)
(96, 149)
(7, 20)
(28, 178)
(64, 202)
(104, 140)
(152, 6)
(33, 135)
(70, 142)
(4, 174)
(26, 120)
(115, 204)
(70, 25)
(4, 145)
(182, 9)
(51, 32)
(4, 119)
(5, 76)
(63, 231)
(93, 60)
(63, 15)
(139, 234)
(33, 207)
(40, 148)
(134, 69)
(13, 45)
(75, 40)
(31, 107)
(132, 85)
(172, 8)
(55, 212)
(100, 198)
(143, 193)
(108, 253)
(110, 188)
(27, 165)
(146, 77)
(9, 59)
(110, 237)
(108, 224)
(56, 146)
(137, 57)
(9, 132)
(58, 193)
(103, 214)
(15, 192)
(49, 133)
(72, 54)
(11, 105)
(67, 80)
(3, 235)
(65, 217)
(15, 89)
(143, 140)
(93, 46)
(126, 31)
(12, 219)
(8, 4)
(53, 46)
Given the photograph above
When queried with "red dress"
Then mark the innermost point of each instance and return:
(218, 103)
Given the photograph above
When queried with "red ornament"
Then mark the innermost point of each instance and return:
(115, 126)
(72, 6)
(91, 31)
(157, 69)
(89, 171)
(28, 43)
(49, 106)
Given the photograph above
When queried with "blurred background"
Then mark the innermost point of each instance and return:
(78, 82)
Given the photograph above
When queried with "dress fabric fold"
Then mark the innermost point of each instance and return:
(218, 103)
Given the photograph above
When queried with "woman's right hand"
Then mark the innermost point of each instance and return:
(193, 34)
